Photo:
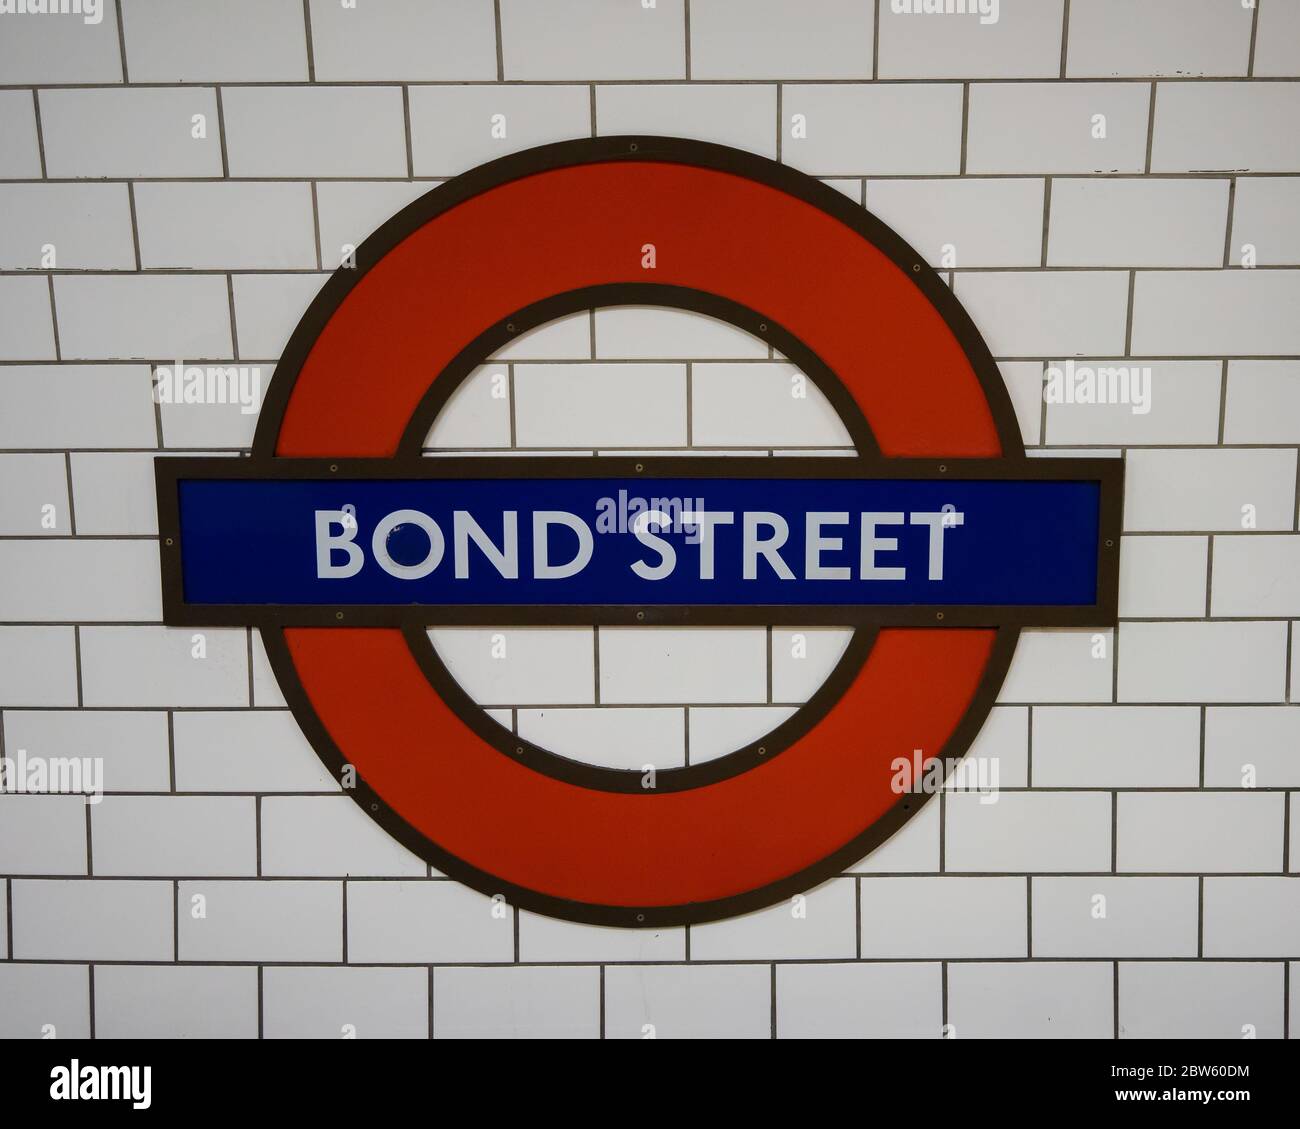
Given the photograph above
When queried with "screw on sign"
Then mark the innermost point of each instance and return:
(937, 542)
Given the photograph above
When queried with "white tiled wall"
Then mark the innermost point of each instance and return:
(1086, 173)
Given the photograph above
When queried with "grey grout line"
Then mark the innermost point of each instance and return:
(1128, 317)
(1297, 491)
(1200, 771)
(1029, 915)
(863, 80)
(1029, 746)
(54, 320)
(315, 216)
(1286, 999)
(1209, 575)
(875, 42)
(686, 37)
(1254, 31)
(1047, 217)
(1286, 833)
(1290, 651)
(1151, 127)
(1227, 226)
(1114, 1000)
(772, 999)
(410, 149)
(72, 505)
(121, 40)
(40, 134)
(847, 174)
(311, 50)
(309, 270)
(234, 327)
(842, 876)
(857, 915)
(965, 125)
(750, 962)
(76, 654)
(780, 124)
(171, 750)
(1114, 832)
(221, 136)
(500, 41)
(1064, 704)
(1200, 916)
(1223, 404)
(1065, 37)
(135, 225)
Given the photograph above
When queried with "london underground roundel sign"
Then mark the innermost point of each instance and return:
(937, 542)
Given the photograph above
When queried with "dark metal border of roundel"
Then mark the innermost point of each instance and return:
(759, 755)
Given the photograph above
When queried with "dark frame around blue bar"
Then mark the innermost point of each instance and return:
(808, 540)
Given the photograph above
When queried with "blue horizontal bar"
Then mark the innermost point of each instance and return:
(789, 541)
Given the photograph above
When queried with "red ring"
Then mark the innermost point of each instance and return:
(572, 227)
